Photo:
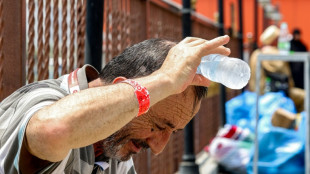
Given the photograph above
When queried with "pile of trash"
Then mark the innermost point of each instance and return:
(281, 135)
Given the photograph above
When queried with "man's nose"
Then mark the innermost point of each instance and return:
(158, 141)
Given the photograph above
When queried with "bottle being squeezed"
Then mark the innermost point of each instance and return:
(231, 72)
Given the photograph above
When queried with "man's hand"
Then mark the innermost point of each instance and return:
(183, 59)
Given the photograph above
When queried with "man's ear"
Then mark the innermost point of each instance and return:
(119, 79)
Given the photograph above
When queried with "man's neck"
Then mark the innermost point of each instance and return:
(95, 83)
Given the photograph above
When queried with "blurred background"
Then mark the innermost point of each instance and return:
(41, 39)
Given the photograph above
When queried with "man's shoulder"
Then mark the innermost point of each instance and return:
(40, 87)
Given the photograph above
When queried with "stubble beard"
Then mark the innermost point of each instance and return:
(113, 145)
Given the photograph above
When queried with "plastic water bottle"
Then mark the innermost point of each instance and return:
(284, 39)
(231, 72)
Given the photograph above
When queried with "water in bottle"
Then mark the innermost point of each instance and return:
(284, 39)
(231, 72)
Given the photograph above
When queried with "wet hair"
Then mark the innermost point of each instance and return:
(141, 60)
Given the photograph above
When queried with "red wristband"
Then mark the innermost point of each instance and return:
(142, 95)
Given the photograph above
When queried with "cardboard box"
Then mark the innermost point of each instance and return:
(283, 118)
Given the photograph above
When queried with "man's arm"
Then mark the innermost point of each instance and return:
(94, 114)
(86, 117)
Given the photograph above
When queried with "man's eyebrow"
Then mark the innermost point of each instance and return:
(169, 124)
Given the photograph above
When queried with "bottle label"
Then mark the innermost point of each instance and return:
(284, 45)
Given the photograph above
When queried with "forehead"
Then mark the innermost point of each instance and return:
(176, 109)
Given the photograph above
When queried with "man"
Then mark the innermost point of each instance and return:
(297, 68)
(85, 123)
(296, 43)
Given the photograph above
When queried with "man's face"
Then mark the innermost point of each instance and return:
(296, 36)
(153, 129)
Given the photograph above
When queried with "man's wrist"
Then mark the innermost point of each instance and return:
(142, 95)
(159, 85)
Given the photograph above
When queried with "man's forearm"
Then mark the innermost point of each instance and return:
(87, 117)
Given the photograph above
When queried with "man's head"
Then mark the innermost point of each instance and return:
(154, 128)
(296, 34)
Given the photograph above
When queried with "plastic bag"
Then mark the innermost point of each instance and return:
(233, 155)
(241, 110)
(281, 151)
(231, 148)
(271, 101)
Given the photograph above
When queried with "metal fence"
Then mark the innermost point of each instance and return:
(55, 37)
(49, 38)
(296, 57)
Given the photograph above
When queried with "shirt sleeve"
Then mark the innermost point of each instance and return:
(10, 151)
(54, 168)
(22, 129)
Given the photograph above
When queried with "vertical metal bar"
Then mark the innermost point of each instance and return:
(94, 29)
(81, 27)
(46, 54)
(186, 18)
(307, 109)
(31, 34)
(114, 29)
(255, 25)
(40, 41)
(188, 165)
(107, 32)
(222, 87)
(221, 17)
(72, 34)
(240, 33)
(126, 42)
(258, 74)
(148, 20)
(56, 37)
(64, 48)
(128, 21)
(122, 21)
